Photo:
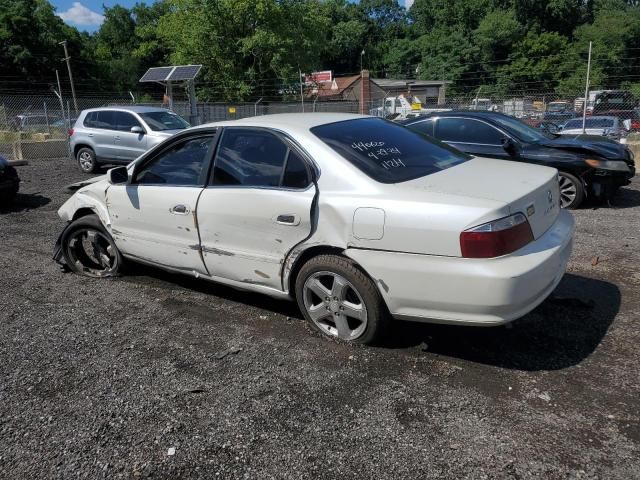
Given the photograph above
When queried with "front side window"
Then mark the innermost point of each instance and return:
(388, 152)
(466, 130)
(182, 164)
(250, 158)
(163, 120)
(425, 127)
(125, 121)
(520, 129)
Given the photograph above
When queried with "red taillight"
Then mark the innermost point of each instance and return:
(496, 238)
(70, 131)
(635, 124)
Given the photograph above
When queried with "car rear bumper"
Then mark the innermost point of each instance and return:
(471, 291)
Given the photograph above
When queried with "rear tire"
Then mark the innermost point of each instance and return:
(89, 250)
(572, 191)
(87, 160)
(340, 301)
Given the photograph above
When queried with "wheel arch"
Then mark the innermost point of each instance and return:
(294, 263)
(291, 274)
(83, 212)
(79, 146)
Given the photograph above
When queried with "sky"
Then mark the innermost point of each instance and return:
(87, 15)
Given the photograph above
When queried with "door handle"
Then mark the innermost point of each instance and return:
(117, 137)
(288, 219)
(179, 209)
(90, 135)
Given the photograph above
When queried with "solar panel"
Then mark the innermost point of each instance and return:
(184, 72)
(157, 74)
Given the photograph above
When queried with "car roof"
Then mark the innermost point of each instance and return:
(288, 121)
(129, 108)
(455, 113)
(605, 117)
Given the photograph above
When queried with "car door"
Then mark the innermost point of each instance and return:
(153, 217)
(130, 145)
(472, 136)
(101, 131)
(257, 206)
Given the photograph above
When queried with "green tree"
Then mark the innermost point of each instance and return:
(248, 48)
(29, 50)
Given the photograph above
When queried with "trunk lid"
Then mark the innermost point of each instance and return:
(532, 190)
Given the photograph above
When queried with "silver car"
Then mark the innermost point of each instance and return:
(610, 127)
(119, 134)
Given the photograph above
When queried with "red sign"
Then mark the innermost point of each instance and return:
(319, 77)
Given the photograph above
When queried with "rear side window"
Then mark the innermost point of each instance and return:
(296, 174)
(90, 120)
(465, 130)
(388, 152)
(248, 157)
(101, 119)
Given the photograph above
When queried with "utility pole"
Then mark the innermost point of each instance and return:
(73, 89)
(586, 94)
(301, 89)
(59, 95)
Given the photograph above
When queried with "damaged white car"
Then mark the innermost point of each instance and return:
(362, 221)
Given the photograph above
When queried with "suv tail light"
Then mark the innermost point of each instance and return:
(635, 124)
(496, 238)
(70, 131)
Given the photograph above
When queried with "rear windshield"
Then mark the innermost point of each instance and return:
(388, 152)
(590, 123)
(159, 121)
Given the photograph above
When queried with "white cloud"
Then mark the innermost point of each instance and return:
(78, 14)
(407, 4)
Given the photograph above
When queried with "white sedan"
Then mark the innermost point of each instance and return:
(360, 220)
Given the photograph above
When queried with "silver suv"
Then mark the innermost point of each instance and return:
(120, 134)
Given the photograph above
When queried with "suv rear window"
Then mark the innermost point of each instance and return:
(388, 152)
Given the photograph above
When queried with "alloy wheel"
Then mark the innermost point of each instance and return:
(568, 191)
(335, 306)
(86, 162)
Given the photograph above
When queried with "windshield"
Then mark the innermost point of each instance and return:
(557, 107)
(521, 129)
(590, 123)
(388, 152)
(163, 120)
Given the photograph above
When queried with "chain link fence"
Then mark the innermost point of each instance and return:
(37, 126)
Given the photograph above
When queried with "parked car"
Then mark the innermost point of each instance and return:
(558, 111)
(588, 165)
(610, 127)
(119, 134)
(354, 216)
(9, 182)
(33, 122)
(612, 102)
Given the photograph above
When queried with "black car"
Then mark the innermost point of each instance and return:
(589, 165)
(9, 182)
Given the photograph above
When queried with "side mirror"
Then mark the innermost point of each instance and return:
(509, 146)
(138, 130)
(118, 175)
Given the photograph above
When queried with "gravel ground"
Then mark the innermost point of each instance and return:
(158, 375)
